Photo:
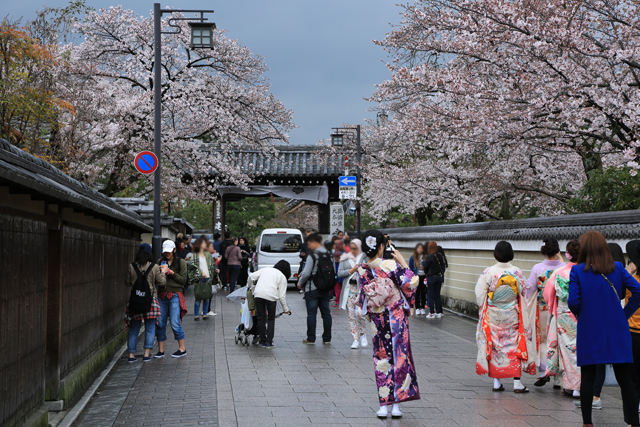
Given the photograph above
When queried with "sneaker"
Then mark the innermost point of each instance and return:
(363, 341)
(438, 315)
(146, 359)
(211, 313)
(355, 345)
(179, 353)
(256, 340)
(308, 342)
(431, 316)
(596, 404)
(132, 359)
(159, 355)
(269, 345)
(301, 291)
(326, 342)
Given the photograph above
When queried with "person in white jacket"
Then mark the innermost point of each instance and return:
(268, 286)
(348, 269)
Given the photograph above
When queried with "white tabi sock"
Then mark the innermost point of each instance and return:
(517, 384)
(496, 383)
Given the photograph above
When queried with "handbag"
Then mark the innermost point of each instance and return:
(381, 292)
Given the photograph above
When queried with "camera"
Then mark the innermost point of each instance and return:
(388, 248)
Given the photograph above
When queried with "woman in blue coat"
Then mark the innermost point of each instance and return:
(596, 287)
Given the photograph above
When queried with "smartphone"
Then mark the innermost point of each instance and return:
(163, 263)
(388, 252)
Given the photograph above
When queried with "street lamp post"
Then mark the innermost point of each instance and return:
(201, 37)
(337, 140)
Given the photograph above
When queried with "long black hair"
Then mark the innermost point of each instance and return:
(283, 267)
(444, 257)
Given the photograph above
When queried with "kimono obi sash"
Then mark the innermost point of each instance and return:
(505, 294)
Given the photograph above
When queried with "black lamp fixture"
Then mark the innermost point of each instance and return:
(337, 139)
(202, 34)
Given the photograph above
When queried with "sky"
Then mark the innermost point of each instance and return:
(321, 58)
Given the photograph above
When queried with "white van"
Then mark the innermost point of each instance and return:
(275, 244)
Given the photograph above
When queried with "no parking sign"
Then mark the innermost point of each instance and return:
(146, 162)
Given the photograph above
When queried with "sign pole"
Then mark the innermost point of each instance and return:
(157, 129)
(358, 179)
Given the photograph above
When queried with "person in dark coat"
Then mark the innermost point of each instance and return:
(596, 286)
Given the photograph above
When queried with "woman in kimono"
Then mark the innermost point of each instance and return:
(387, 290)
(562, 358)
(506, 332)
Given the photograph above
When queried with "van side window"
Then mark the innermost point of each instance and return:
(287, 243)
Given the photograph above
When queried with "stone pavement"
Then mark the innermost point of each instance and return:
(295, 384)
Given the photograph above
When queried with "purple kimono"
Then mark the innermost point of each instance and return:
(394, 368)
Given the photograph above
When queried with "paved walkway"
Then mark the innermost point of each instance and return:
(296, 384)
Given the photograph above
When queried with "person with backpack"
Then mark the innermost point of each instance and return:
(387, 292)
(173, 306)
(318, 279)
(144, 277)
(506, 333)
(434, 269)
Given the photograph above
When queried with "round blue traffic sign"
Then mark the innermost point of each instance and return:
(146, 162)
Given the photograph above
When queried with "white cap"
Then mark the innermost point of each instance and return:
(168, 246)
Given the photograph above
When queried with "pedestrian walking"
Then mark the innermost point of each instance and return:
(244, 266)
(387, 291)
(143, 271)
(317, 280)
(535, 285)
(216, 241)
(434, 269)
(561, 357)
(269, 285)
(416, 264)
(173, 306)
(205, 278)
(338, 251)
(222, 250)
(595, 290)
(506, 333)
(304, 252)
(233, 256)
(182, 250)
(348, 271)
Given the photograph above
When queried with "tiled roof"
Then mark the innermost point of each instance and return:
(35, 175)
(623, 225)
(291, 161)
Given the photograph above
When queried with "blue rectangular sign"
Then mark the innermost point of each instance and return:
(348, 181)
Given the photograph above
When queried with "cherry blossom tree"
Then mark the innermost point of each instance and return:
(505, 106)
(212, 100)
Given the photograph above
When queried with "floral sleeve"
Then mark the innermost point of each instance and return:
(406, 280)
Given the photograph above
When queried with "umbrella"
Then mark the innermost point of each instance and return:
(238, 295)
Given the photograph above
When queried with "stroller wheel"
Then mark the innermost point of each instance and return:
(246, 341)
(236, 338)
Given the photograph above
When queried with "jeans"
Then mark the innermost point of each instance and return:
(169, 308)
(623, 373)
(421, 293)
(266, 312)
(318, 300)
(234, 272)
(205, 307)
(434, 287)
(149, 333)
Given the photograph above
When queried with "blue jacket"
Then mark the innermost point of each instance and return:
(603, 330)
(413, 266)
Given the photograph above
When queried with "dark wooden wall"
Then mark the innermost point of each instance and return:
(93, 292)
(23, 274)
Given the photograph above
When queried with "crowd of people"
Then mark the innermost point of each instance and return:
(575, 321)
(572, 323)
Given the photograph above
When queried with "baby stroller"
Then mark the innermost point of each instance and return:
(249, 319)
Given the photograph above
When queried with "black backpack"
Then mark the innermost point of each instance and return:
(141, 297)
(325, 277)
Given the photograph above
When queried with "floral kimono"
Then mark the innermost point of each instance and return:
(562, 358)
(506, 333)
(394, 368)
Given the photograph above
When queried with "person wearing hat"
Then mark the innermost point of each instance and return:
(143, 264)
(173, 306)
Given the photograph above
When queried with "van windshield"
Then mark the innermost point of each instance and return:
(281, 243)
